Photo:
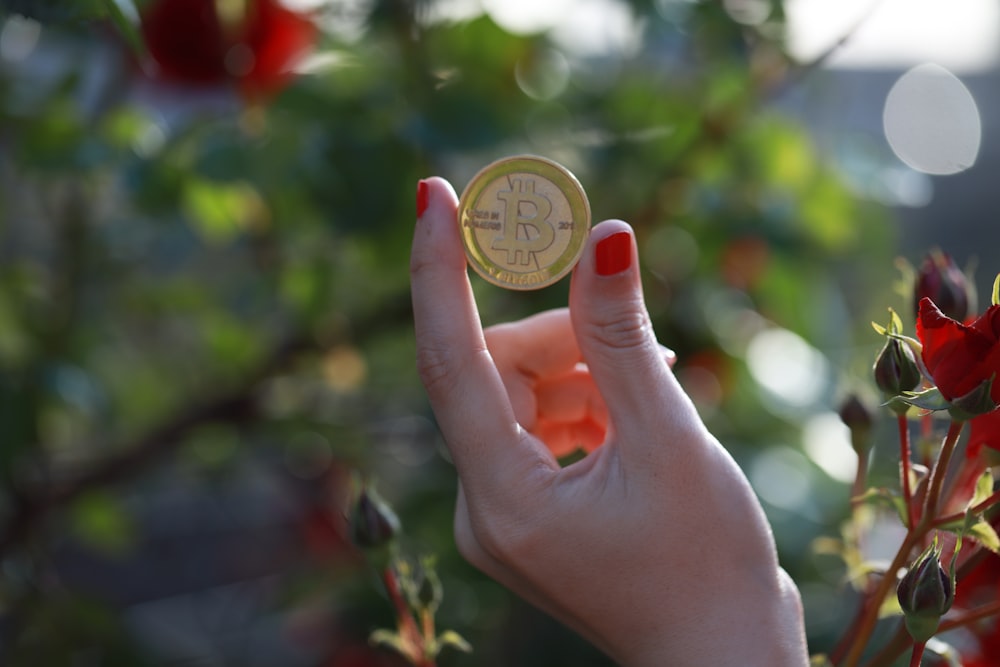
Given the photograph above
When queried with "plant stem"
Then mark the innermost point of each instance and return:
(918, 653)
(975, 509)
(427, 625)
(940, 472)
(872, 602)
(408, 629)
(904, 458)
(901, 639)
(971, 616)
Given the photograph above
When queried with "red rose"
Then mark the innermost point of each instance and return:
(980, 586)
(185, 39)
(279, 39)
(192, 43)
(960, 357)
(984, 431)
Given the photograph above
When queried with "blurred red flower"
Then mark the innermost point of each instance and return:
(984, 431)
(257, 48)
(960, 357)
(981, 586)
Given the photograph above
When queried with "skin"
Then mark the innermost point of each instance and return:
(653, 547)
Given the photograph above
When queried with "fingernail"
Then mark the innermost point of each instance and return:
(613, 254)
(422, 197)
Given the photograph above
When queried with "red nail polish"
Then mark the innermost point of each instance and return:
(613, 254)
(422, 197)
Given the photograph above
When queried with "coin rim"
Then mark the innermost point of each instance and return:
(534, 164)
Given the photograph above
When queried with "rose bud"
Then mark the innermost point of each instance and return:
(373, 523)
(940, 280)
(925, 593)
(896, 368)
(858, 418)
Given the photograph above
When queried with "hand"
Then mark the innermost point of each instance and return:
(653, 546)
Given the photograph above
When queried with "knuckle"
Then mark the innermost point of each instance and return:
(505, 540)
(421, 263)
(498, 529)
(621, 330)
(436, 365)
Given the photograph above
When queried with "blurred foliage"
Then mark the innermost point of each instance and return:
(204, 310)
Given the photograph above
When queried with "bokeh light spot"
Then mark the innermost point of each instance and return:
(543, 74)
(780, 476)
(18, 38)
(344, 368)
(525, 17)
(827, 442)
(931, 121)
(789, 368)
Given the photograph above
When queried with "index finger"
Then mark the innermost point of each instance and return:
(464, 386)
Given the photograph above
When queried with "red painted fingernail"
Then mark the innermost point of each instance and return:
(613, 254)
(422, 197)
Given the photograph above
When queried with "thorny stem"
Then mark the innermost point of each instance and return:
(901, 639)
(939, 472)
(871, 603)
(427, 624)
(904, 456)
(975, 509)
(404, 618)
(971, 616)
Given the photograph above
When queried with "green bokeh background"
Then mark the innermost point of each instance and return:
(204, 315)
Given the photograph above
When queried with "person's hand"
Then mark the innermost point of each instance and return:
(653, 546)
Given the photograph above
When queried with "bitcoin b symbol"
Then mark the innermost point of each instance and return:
(526, 229)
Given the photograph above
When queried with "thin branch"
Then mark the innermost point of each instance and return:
(33, 506)
(801, 70)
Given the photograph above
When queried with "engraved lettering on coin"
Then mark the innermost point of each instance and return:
(524, 222)
(523, 236)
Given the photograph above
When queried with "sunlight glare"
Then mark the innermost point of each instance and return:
(932, 122)
(892, 34)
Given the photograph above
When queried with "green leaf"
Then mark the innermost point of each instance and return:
(984, 488)
(100, 520)
(945, 651)
(392, 640)
(454, 640)
(996, 291)
(885, 497)
(222, 211)
(895, 323)
(893, 328)
(985, 535)
(929, 399)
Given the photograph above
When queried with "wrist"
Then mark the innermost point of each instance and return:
(761, 625)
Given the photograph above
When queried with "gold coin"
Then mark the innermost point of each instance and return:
(524, 221)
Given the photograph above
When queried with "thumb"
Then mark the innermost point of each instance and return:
(617, 341)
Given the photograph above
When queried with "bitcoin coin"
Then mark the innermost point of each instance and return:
(524, 221)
